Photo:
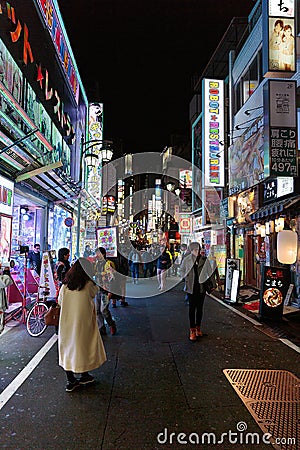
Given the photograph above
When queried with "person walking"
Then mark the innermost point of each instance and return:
(163, 264)
(147, 263)
(35, 259)
(197, 270)
(104, 274)
(135, 260)
(120, 278)
(80, 347)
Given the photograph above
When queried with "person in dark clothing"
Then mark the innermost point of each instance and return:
(119, 282)
(197, 270)
(35, 258)
(63, 264)
(163, 264)
(147, 259)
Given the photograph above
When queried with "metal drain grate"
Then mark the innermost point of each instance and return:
(273, 399)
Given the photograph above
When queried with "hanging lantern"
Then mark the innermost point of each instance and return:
(287, 246)
(263, 231)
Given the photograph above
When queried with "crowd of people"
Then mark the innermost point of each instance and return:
(89, 285)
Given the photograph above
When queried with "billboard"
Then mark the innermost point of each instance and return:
(279, 38)
(281, 140)
(213, 132)
(246, 158)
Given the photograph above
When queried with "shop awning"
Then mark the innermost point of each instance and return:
(275, 207)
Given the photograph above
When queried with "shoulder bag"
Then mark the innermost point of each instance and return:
(52, 315)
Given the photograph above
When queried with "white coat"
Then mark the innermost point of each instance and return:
(80, 345)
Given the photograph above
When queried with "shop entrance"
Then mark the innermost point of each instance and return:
(250, 275)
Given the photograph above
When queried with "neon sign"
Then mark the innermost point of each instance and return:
(213, 130)
(21, 32)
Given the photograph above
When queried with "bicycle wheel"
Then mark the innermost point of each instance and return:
(35, 322)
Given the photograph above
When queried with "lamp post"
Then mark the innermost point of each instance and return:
(92, 156)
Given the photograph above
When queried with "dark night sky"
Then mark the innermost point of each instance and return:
(138, 57)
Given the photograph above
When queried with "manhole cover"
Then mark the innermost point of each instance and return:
(273, 399)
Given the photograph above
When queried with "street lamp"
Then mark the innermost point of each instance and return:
(92, 154)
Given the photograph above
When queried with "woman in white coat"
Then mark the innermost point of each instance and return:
(80, 345)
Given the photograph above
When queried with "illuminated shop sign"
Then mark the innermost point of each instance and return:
(20, 34)
(213, 132)
(279, 41)
(6, 196)
(281, 158)
(278, 187)
(51, 19)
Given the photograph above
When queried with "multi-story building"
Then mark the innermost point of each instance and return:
(43, 109)
(245, 141)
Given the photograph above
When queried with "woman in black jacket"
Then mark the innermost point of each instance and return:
(163, 264)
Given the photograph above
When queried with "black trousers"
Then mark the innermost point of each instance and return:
(196, 302)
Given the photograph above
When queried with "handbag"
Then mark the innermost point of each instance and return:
(52, 315)
(209, 286)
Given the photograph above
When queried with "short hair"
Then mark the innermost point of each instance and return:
(101, 250)
(194, 245)
(36, 245)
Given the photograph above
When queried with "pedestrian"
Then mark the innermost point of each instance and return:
(80, 346)
(5, 281)
(135, 260)
(147, 263)
(87, 251)
(163, 264)
(63, 264)
(197, 270)
(104, 274)
(120, 278)
(35, 259)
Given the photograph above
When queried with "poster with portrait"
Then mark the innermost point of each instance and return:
(107, 238)
(276, 282)
(5, 239)
(281, 44)
(232, 275)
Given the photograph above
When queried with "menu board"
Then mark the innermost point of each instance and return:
(107, 238)
(276, 282)
(232, 276)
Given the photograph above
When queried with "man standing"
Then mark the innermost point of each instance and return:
(35, 259)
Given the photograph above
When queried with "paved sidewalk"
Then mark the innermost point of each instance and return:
(155, 385)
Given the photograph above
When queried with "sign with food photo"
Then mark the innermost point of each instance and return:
(276, 281)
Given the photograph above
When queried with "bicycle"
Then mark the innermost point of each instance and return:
(35, 320)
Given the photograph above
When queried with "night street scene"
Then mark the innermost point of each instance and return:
(149, 225)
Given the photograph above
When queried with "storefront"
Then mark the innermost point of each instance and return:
(6, 211)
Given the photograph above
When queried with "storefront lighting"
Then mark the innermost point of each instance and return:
(287, 246)
(279, 224)
(177, 191)
(263, 231)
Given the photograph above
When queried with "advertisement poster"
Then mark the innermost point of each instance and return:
(5, 238)
(232, 272)
(107, 238)
(276, 282)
